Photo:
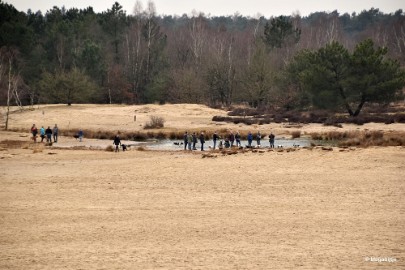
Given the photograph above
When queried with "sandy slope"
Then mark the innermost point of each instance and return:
(92, 209)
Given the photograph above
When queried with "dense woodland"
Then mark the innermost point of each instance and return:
(325, 60)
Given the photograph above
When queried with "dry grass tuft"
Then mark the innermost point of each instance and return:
(296, 134)
(361, 138)
(334, 135)
(14, 144)
(109, 148)
(37, 150)
(155, 122)
(375, 138)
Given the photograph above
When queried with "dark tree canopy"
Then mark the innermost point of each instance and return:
(289, 62)
(334, 77)
(280, 31)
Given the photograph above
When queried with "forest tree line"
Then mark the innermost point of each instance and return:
(324, 60)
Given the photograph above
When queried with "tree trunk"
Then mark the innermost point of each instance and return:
(347, 105)
(230, 77)
(360, 106)
(8, 93)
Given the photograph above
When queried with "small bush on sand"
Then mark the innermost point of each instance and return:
(161, 135)
(150, 135)
(374, 138)
(139, 136)
(155, 122)
(173, 135)
(109, 148)
(399, 117)
(218, 118)
(316, 136)
(296, 134)
(14, 144)
(374, 135)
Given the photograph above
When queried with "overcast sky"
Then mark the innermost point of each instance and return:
(250, 8)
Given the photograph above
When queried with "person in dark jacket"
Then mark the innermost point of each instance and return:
(202, 141)
(80, 134)
(237, 139)
(117, 143)
(48, 133)
(250, 139)
(231, 138)
(271, 139)
(194, 140)
(185, 139)
(215, 137)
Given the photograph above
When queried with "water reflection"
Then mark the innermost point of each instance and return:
(178, 144)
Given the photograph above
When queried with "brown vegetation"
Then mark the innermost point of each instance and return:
(155, 122)
(266, 116)
(362, 138)
(295, 134)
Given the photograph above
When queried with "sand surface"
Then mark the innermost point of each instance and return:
(92, 209)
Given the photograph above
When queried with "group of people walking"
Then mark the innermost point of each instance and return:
(190, 140)
(50, 133)
(45, 133)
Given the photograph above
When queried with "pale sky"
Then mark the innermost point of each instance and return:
(250, 8)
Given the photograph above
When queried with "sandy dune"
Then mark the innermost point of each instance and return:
(93, 209)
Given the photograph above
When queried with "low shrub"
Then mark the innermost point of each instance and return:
(332, 121)
(160, 135)
(173, 136)
(109, 148)
(264, 121)
(296, 134)
(155, 122)
(375, 134)
(316, 136)
(238, 112)
(399, 117)
(139, 136)
(218, 118)
(278, 118)
(150, 135)
(374, 138)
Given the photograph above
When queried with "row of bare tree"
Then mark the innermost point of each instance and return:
(78, 56)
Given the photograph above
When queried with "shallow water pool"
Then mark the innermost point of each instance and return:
(178, 144)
